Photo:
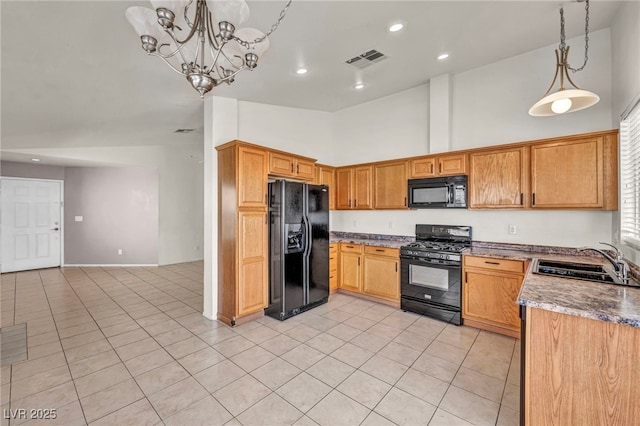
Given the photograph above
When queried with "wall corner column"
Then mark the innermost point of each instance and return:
(440, 113)
(220, 126)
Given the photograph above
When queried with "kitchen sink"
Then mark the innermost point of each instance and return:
(575, 270)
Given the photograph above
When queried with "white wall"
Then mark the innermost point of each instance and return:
(491, 103)
(391, 127)
(510, 88)
(625, 43)
(300, 131)
(181, 180)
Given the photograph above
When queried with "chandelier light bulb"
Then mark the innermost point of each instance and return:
(561, 106)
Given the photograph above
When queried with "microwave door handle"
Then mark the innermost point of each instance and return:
(450, 193)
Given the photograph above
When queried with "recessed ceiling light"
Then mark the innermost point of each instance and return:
(301, 71)
(35, 159)
(443, 56)
(396, 27)
(359, 86)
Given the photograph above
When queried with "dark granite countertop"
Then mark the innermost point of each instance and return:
(378, 240)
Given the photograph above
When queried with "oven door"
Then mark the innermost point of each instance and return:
(431, 281)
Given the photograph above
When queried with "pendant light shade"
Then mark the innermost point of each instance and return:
(564, 100)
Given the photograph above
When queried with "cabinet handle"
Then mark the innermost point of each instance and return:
(491, 263)
(396, 266)
(349, 202)
(533, 198)
(331, 258)
(349, 246)
(358, 261)
(440, 167)
(466, 277)
(431, 168)
(298, 168)
(382, 250)
(405, 201)
(521, 198)
(355, 203)
(291, 167)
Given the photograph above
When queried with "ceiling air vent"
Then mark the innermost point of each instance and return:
(366, 59)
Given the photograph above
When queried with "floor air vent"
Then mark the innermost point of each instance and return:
(366, 59)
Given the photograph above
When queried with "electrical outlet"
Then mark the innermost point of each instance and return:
(119, 252)
(391, 224)
(513, 230)
(355, 223)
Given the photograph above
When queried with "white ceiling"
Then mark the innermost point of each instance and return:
(74, 75)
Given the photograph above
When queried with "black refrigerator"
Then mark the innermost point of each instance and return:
(298, 247)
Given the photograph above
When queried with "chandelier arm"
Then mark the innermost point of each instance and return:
(194, 27)
(167, 62)
(232, 75)
(215, 53)
(186, 17)
(211, 34)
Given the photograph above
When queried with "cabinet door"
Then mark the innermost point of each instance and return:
(333, 267)
(452, 165)
(498, 179)
(280, 164)
(423, 167)
(252, 256)
(305, 169)
(380, 277)
(252, 177)
(362, 183)
(350, 276)
(568, 174)
(490, 296)
(390, 186)
(326, 177)
(343, 188)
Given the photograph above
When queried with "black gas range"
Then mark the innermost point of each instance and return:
(431, 271)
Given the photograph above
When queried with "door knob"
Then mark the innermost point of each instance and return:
(55, 229)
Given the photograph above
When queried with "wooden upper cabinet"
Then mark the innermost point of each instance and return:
(362, 192)
(450, 165)
(252, 177)
(344, 195)
(498, 178)
(325, 175)
(568, 174)
(282, 164)
(438, 165)
(390, 185)
(354, 188)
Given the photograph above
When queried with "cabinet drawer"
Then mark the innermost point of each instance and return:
(516, 266)
(350, 248)
(382, 251)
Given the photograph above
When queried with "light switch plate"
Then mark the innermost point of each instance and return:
(78, 218)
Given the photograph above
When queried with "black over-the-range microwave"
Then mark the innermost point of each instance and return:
(438, 193)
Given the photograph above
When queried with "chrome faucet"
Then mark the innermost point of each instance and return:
(621, 267)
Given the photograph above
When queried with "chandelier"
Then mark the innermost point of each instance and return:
(566, 99)
(207, 46)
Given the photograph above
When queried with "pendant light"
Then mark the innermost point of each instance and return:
(566, 99)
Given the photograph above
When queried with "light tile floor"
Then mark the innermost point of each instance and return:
(114, 346)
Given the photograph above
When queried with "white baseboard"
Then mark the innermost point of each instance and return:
(102, 265)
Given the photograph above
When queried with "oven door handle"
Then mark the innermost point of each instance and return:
(428, 262)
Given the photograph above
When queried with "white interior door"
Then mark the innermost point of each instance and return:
(30, 223)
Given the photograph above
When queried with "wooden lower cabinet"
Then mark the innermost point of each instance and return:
(490, 288)
(381, 276)
(579, 371)
(370, 271)
(253, 273)
(351, 267)
(333, 267)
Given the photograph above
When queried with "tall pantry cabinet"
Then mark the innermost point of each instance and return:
(242, 232)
